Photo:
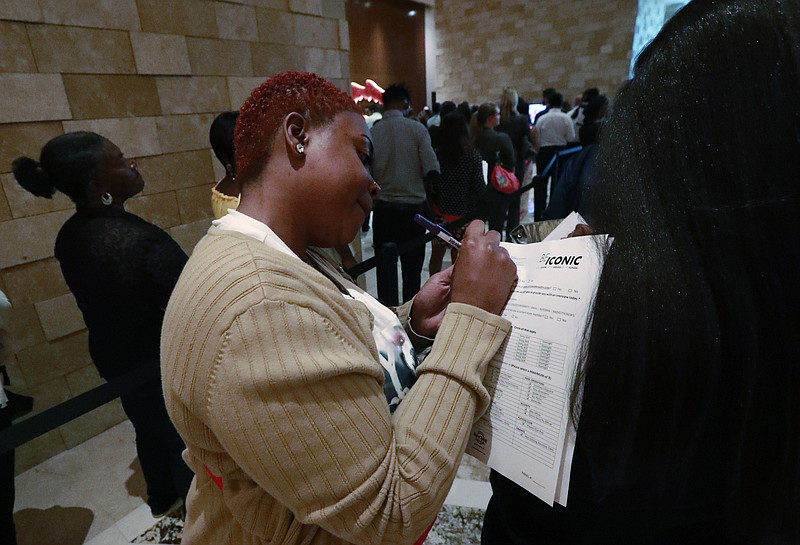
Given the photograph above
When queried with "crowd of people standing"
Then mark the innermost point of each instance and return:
(307, 416)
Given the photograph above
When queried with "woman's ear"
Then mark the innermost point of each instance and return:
(295, 133)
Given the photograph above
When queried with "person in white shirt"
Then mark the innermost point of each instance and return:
(553, 132)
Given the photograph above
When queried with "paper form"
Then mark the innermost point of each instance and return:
(524, 434)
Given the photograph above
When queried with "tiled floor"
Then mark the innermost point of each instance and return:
(94, 493)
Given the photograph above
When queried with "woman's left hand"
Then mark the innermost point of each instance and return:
(430, 303)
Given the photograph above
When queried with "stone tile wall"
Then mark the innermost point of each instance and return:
(486, 45)
(150, 75)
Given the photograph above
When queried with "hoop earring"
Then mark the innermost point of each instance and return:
(300, 148)
(106, 198)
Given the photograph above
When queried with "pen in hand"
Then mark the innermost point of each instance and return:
(438, 231)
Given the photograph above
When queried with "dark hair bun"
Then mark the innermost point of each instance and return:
(30, 176)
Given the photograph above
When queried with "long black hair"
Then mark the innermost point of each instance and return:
(692, 368)
(67, 163)
(453, 138)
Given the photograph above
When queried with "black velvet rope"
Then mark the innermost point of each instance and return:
(52, 418)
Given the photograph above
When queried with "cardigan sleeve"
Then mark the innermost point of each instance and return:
(301, 410)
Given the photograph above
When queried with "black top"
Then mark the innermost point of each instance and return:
(519, 130)
(457, 189)
(494, 145)
(121, 271)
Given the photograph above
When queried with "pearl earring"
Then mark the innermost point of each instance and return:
(300, 147)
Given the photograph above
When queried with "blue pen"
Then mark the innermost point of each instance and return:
(438, 231)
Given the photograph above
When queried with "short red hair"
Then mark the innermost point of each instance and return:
(315, 98)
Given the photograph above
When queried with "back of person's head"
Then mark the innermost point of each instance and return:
(596, 109)
(67, 163)
(522, 107)
(466, 110)
(692, 364)
(448, 106)
(453, 137)
(546, 94)
(508, 103)
(396, 96)
(221, 137)
(485, 111)
(555, 100)
(261, 115)
(590, 94)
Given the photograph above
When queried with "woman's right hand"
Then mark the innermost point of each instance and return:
(484, 274)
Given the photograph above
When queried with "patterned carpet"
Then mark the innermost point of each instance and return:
(455, 526)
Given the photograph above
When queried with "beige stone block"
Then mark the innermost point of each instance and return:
(312, 7)
(343, 84)
(36, 451)
(344, 35)
(182, 95)
(15, 50)
(275, 26)
(50, 360)
(334, 9)
(81, 50)
(135, 136)
(92, 423)
(180, 17)
(5, 210)
(236, 22)
(118, 14)
(240, 88)
(34, 237)
(159, 209)
(60, 316)
(324, 62)
(23, 203)
(21, 10)
(269, 59)
(23, 330)
(20, 139)
(176, 171)
(219, 170)
(82, 380)
(48, 394)
(316, 32)
(160, 53)
(33, 97)
(211, 57)
(187, 236)
(94, 97)
(34, 282)
(194, 203)
(272, 4)
(184, 132)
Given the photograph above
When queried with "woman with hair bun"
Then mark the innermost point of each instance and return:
(121, 270)
(292, 387)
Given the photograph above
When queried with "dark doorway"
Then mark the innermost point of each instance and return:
(387, 44)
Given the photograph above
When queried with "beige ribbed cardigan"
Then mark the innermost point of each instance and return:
(272, 378)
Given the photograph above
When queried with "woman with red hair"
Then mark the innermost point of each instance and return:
(278, 371)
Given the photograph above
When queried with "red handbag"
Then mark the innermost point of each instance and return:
(503, 180)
